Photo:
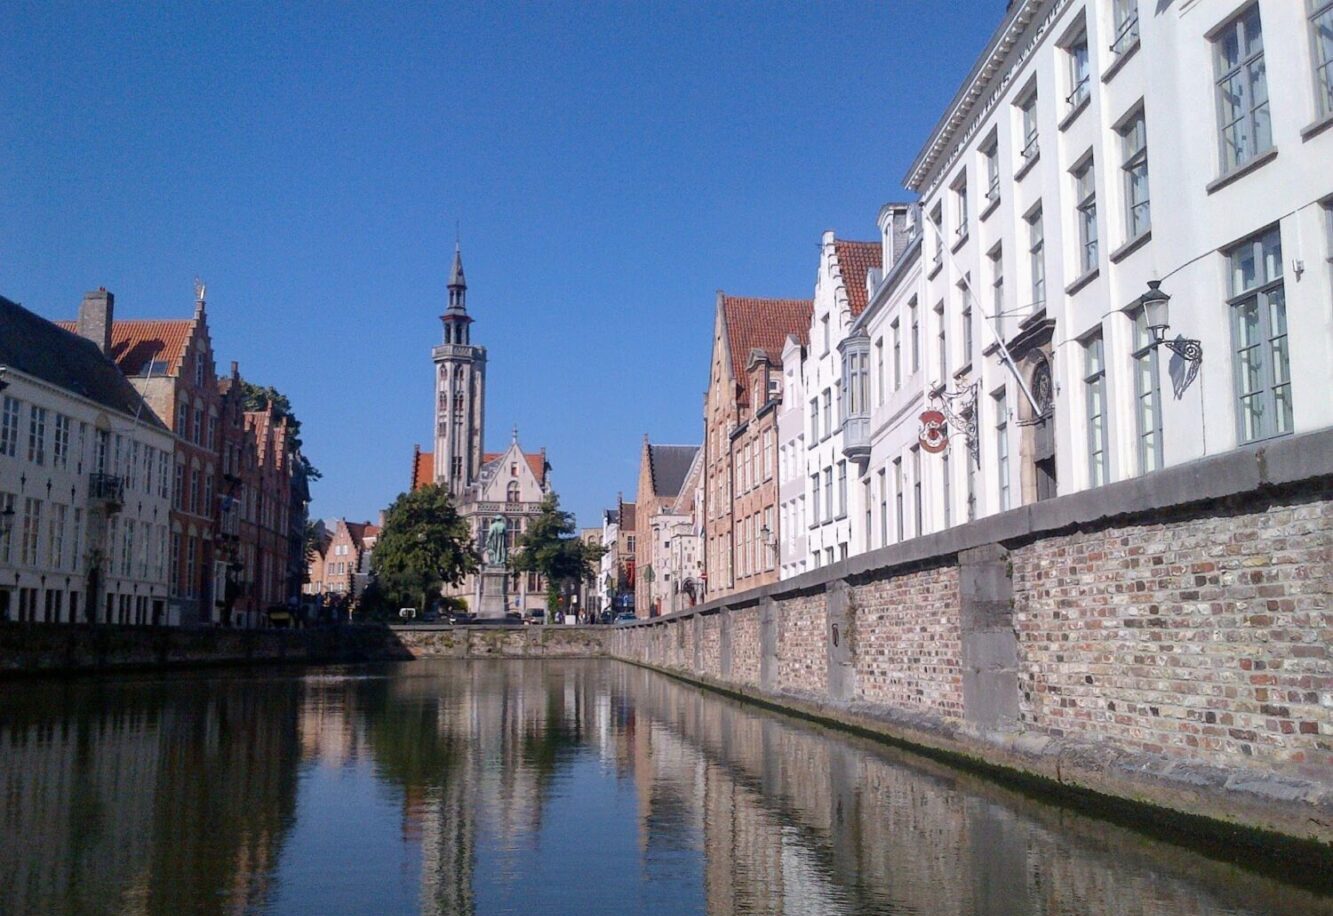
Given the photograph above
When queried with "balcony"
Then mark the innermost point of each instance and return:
(106, 491)
(856, 438)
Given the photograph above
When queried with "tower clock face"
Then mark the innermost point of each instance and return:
(1043, 391)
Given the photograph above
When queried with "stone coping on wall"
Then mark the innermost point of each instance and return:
(1237, 473)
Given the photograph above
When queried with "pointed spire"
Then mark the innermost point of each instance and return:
(456, 272)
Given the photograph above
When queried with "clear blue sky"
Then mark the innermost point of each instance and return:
(612, 165)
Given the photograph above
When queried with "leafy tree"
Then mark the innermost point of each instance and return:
(551, 548)
(258, 397)
(424, 544)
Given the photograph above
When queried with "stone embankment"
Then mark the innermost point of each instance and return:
(37, 649)
(1165, 640)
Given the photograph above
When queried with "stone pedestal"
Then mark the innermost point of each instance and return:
(492, 592)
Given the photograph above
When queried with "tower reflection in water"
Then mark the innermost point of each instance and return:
(553, 787)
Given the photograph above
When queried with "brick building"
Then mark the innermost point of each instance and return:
(740, 438)
(662, 472)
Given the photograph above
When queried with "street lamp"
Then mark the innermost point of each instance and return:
(1156, 314)
(768, 539)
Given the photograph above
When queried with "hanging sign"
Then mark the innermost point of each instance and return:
(932, 433)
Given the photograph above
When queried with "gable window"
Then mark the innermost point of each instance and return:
(1094, 385)
(1134, 165)
(1147, 396)
(1085, 214)
(824, 321)
(1242, 90)
(1321, 31)
(1125, 22)
(1259, 337)
(1037, 258)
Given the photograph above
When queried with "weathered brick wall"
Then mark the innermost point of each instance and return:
(1199, 636)
(907, 641)
(710, 654)
(745, 648)
(802, 644)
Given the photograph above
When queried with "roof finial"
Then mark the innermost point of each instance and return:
(516, 434)
(199, 292)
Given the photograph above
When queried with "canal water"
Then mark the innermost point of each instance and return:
(532, 787)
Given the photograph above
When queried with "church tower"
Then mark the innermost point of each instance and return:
(460, 385)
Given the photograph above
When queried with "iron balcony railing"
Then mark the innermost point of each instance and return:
(108, 487)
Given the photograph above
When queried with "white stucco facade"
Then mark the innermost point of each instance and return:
(90, 493)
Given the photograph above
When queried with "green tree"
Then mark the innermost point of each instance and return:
(258, 397)
(552, 549)
(424, 545)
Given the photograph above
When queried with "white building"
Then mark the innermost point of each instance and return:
(1093, 149)
(793, 554)
(85, 483)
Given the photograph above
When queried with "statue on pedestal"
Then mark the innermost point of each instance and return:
(497, 550)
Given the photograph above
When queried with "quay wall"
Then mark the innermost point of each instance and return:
(1164, 640)
(40, 649)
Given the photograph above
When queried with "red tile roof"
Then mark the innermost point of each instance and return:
(856, 260)
(136, 343)
(762, 324)
(423, 469)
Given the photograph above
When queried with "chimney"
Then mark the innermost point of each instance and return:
(95, 316)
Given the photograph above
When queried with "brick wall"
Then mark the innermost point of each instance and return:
(1165, 639)
(1204, 636)
(907, 642)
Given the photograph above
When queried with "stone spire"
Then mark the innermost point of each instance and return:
(457, 285)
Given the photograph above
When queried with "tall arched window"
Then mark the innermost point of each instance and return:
(511, 496)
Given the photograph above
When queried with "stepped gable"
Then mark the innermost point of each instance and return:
(856, 260)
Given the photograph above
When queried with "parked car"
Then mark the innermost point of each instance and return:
(625, 617)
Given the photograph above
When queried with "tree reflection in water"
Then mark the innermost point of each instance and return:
(570, 786)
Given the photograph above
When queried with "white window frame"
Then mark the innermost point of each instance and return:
(1264, 353)
(1133, 133)
(1253, 124)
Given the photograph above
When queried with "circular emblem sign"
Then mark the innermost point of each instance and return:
(931, 432)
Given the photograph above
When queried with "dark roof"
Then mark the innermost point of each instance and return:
(668, 465)
(34, 346)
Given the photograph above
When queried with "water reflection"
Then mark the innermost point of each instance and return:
(555, 787)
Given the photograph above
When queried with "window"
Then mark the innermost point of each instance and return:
(6, 537)
(879, 372)
(897, 355)
(9, 428)
(1125, 23)
(182, 418)
(1134, 152)
(32, 526)
(1259, 337)
(1094, 386)
(1002, 449)
(1078, 71)
(828, 494)
(842, 488)
(946, 489)
(60, 445)
(942, 342)
(883, 510)
(918, 508)
(1027, 112)
(991, 153)
(1321, 31)
(916, 335)
(960, 206)
(1085, 195)
(898, 495)
(997, 290)
(1147, 396)
(824, 322)
(814, 419)
(937, 220)
(198, 370)
(967, 328)
(37, 435)
(814, 498)
(1037, 258)
(828, 412)
(1242, 90)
